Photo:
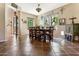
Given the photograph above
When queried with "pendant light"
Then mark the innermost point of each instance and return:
(38, 9)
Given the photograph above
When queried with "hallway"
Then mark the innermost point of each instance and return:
(25, 47)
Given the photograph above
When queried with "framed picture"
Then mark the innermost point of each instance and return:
(62, 21)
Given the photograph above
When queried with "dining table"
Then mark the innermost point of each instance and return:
(41, 33)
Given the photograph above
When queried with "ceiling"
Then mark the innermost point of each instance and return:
(31, 7)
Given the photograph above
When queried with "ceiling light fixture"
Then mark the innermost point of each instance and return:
(38, 9)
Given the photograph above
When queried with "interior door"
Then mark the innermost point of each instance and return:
(15, 25)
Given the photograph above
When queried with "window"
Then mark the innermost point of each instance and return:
(30, 22)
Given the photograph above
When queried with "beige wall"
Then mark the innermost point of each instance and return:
(69, 10)
(24, 26)
(9, 13)
(9, 17)
(2, 22)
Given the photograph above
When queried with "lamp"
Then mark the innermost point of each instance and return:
(38, 9)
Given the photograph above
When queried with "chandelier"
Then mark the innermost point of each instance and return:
(38, 9)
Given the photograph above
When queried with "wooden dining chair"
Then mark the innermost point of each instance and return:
(47, 34)
(37, 32)
(42, 35)
(51, 32)
(33, 33)
(30, 32)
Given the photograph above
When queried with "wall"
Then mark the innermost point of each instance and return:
(24, 26)
(69, 10)
(9, 17)
(2, 22)
(9, 13)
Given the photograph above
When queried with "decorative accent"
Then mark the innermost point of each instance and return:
(24, 21)
(38, 9)
(62, 21)
(72, 19)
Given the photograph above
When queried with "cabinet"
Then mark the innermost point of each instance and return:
(72, 31)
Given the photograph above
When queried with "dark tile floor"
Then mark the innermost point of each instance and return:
(25, 47)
